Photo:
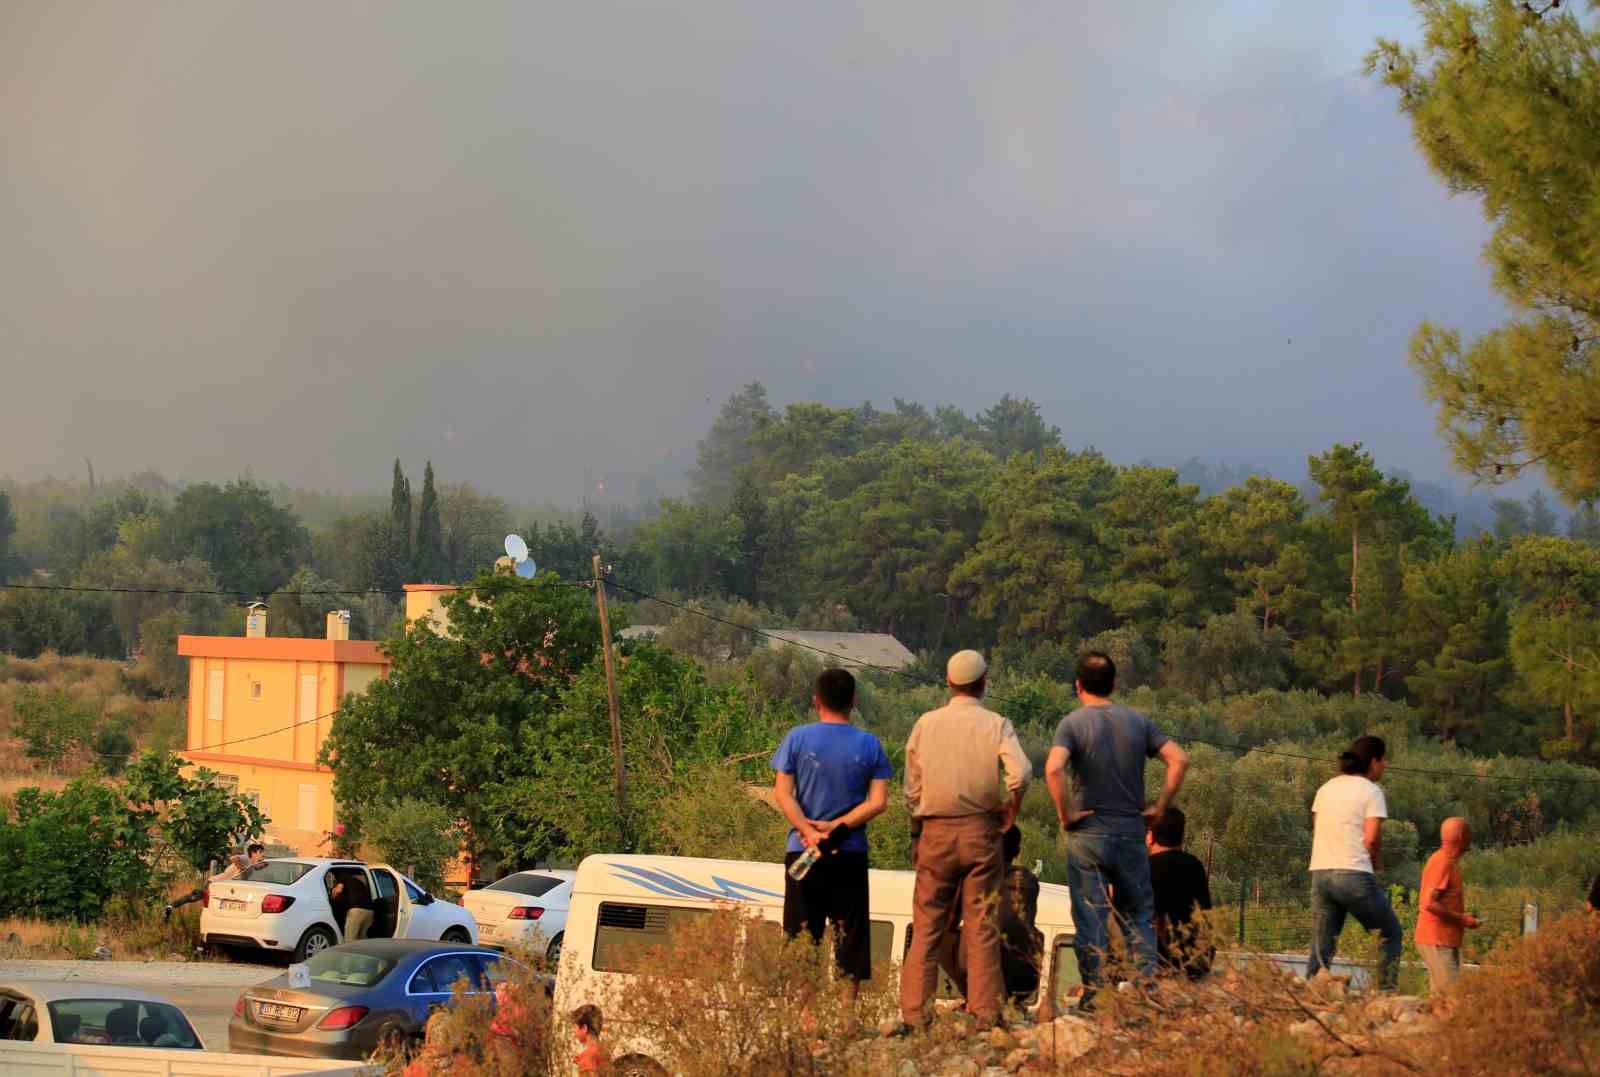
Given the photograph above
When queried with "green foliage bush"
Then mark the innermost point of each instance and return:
(69, 855)
(52, 725)
(415, 836)
(64, 856)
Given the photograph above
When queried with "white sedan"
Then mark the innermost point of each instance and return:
(527, 909)
(286, 904)
(107, 1014)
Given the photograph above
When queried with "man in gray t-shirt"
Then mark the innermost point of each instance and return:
(1105, 745)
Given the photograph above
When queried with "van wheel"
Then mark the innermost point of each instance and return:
(638, 1066)
(456, 936)
(553, 954)
(314, 941)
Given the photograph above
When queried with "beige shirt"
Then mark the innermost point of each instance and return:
(954, 758)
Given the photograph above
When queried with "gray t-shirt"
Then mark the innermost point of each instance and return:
(1108, 745)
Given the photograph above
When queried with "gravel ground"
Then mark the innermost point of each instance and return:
(205, 990)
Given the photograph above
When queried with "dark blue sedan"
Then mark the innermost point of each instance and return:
(361, 995)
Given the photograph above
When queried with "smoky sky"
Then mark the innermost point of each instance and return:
(532, 241)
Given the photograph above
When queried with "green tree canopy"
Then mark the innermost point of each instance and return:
(252, 543)
(445, 725)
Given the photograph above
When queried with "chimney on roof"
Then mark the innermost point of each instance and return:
(339, 624)
(255, 620)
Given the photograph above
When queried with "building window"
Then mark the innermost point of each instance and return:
(308, 807)
(229, 782)
(213, 731)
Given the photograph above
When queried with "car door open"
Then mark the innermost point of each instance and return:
(391, 904)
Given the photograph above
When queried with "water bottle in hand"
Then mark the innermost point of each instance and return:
(805, 862)
(808, 859)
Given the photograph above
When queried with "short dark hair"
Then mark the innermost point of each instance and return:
(1362, 753)
(253, 848)
(836, 688)
(1011, 843)
(976, 688)
(1097, 673)
(588, 1016)
(1168, 830)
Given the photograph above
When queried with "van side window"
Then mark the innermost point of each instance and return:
(625, 934)
(1065, 967)
(881, 939)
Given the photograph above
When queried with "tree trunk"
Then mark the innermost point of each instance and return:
(1355, 605)
(1567, 706)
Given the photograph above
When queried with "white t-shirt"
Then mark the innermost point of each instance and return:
(1342, 807)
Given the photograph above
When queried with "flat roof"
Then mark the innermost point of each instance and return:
(284, 649)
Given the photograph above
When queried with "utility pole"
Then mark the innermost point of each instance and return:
(611, 695)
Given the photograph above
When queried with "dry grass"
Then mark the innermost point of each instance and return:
(726, 996)
(14, 780)
(130, 934)
(99, 684)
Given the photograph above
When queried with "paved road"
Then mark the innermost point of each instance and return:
(204, 990)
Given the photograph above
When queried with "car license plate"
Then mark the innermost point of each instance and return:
(273, 1011)
(230, 905)
(487, 931)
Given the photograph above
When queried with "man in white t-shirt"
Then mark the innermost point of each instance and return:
(1346, 852)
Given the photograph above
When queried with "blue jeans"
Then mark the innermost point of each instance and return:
(1336, 894)
(1094, 860)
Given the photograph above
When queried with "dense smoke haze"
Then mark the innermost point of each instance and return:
(532, 242)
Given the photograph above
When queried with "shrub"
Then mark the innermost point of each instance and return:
(52, 724)
(416, 836)
(1533, 1008)
(112, 746)
(459, 1040)
(728, 993)
(67, 854)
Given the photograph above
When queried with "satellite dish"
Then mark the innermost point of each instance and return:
(526, 569)
(516, 549)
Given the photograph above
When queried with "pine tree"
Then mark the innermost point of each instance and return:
(427, 561)
(1502, 98)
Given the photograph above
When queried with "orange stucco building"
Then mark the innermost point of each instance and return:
(259, 709)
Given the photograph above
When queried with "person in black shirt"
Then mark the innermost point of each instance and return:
(352, 895)
(1181, 887)
(1021, 943)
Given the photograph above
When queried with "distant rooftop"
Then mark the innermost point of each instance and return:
(854, 649)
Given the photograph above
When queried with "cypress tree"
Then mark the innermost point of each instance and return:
(428, 551)
(400, 511)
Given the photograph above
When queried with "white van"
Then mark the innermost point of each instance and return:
(620, 902)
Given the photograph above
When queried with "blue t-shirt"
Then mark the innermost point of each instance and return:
(834, 764)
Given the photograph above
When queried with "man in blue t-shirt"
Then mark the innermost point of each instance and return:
(831, 779)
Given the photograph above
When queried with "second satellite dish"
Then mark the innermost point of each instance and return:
(526, 569)
(516, 549)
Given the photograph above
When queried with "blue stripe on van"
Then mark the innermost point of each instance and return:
(670, 885)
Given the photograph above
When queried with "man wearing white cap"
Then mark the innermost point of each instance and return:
(954, 760)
